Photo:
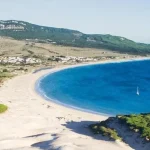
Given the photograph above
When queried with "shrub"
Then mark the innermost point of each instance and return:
(101, 128)
(139, 123)
(3, 108)
(5, 70)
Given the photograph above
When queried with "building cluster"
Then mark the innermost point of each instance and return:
(19, 60)
(65, 59)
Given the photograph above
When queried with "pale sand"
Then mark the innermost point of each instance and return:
(30, 119)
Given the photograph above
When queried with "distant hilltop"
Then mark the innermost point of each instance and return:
(21, 30)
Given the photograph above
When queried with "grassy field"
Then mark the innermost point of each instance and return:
(10, 47)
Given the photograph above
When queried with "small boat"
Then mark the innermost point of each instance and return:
(138, 93)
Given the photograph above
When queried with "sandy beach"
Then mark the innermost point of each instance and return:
(32, 123)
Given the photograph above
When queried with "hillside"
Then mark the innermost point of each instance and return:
(21, 30)
(11, 47)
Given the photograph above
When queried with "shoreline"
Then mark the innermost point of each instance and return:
(32, 123)
(54, 70)
(63, 67)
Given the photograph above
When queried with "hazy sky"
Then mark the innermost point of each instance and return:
(128, 18)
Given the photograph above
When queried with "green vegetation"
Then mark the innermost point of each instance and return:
(138, 123)
(101, 128)
(5, 75)
(30, 52)
(3, 108)
(68, 37)
(5, 70)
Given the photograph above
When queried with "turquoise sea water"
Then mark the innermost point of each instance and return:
(104, 88)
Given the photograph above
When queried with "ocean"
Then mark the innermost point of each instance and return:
(111, 89)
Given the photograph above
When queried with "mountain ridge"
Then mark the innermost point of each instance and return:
(22, 30)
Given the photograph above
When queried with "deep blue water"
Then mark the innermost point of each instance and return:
(105, 88)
